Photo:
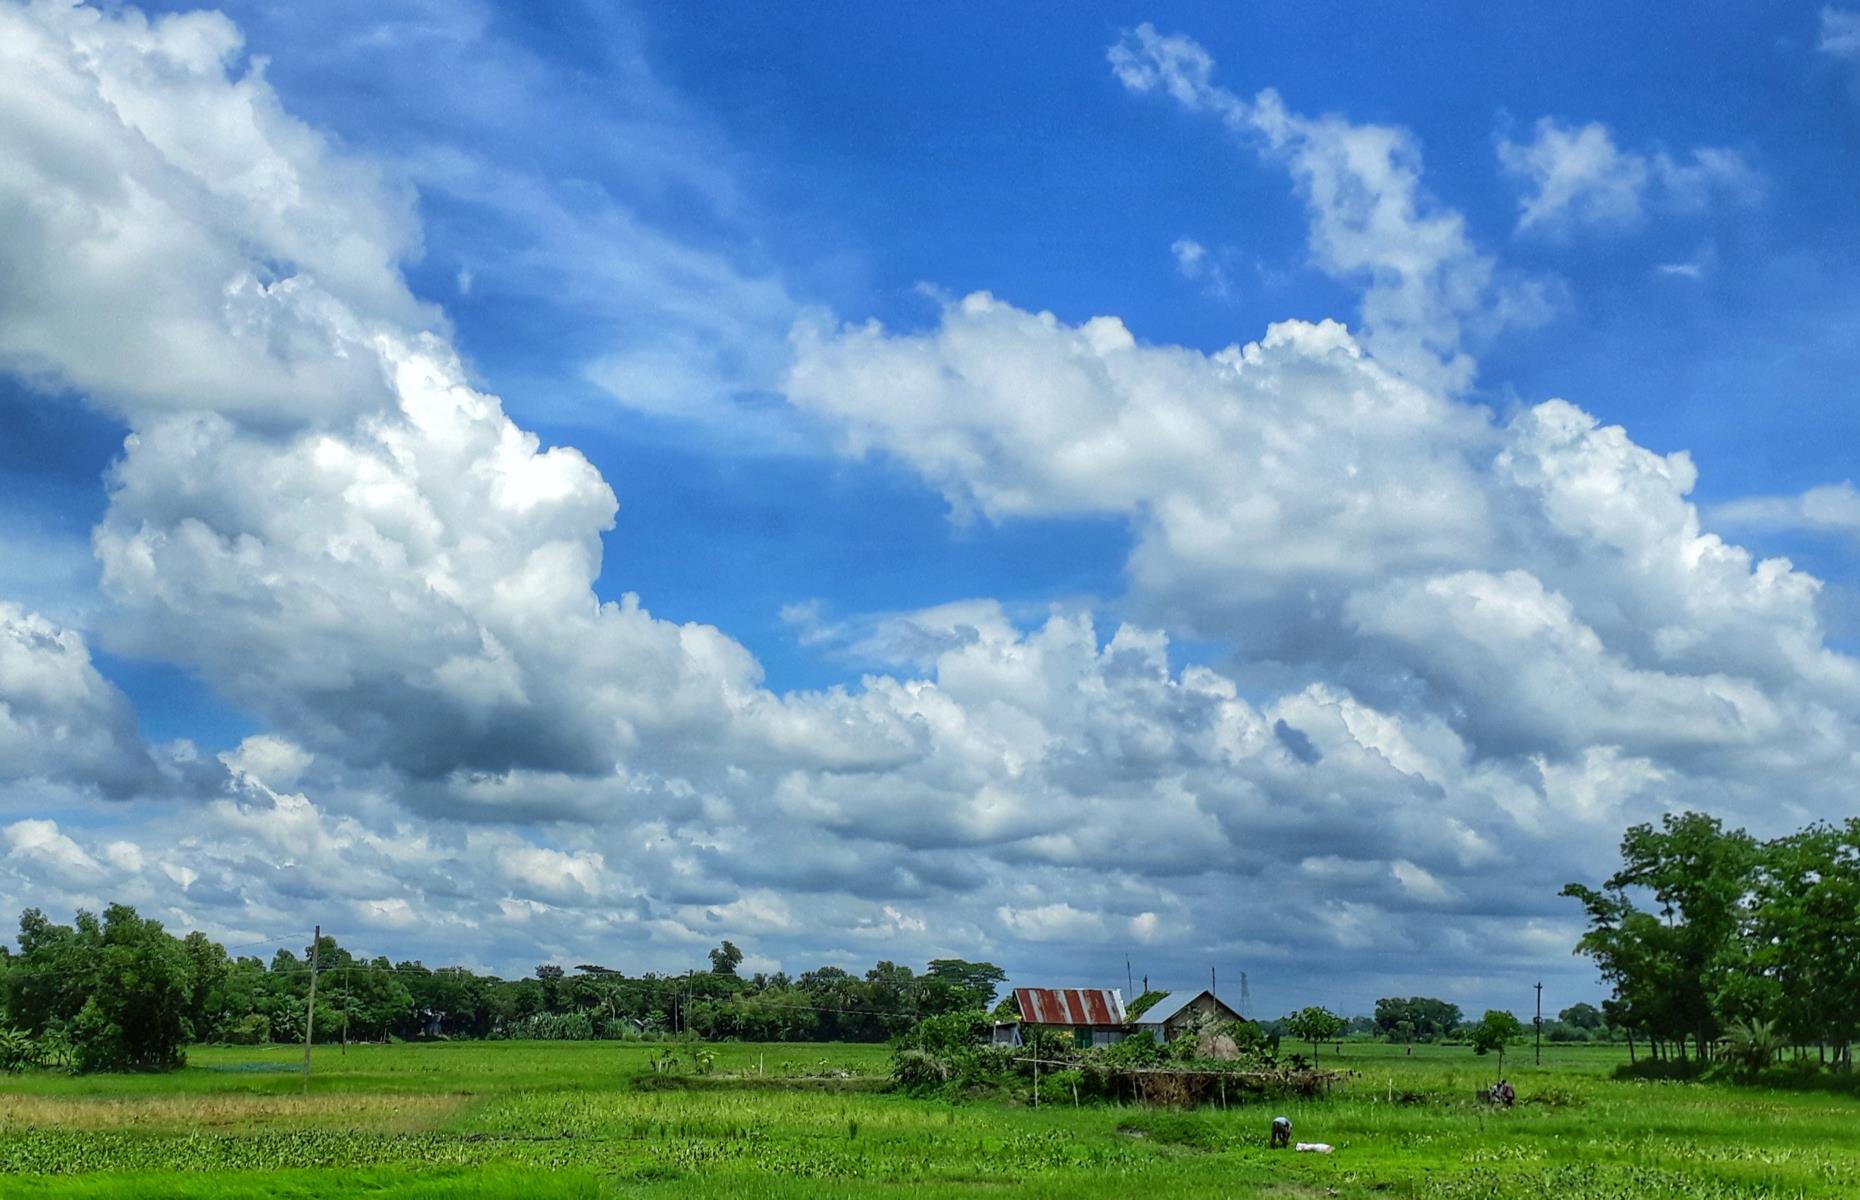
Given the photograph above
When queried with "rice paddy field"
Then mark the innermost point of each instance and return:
(564, 1119)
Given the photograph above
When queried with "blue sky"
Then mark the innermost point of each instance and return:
(867, 154)
(623, 220)
(870, 155)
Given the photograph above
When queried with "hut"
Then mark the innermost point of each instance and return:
(1183, 1012)
(1093, 1016)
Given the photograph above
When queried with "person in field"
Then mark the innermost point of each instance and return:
(1506, 1094)
(1281, 1132)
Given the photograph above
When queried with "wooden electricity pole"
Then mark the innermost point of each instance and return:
(1539, 1023)
(316, 940)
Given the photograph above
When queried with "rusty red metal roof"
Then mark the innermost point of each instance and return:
(1070, 1006)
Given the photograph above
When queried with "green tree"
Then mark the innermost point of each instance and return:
(1674, 970)
(725, 959)
(1314, 1024)
(1582, 1016)
(890, 998)
(1804, 961)
(207, 962)
(1415, 1018)
(119, 990)
(973, 984)
(549, 979)
(1495, 1031)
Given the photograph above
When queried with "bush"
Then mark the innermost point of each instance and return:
(553, 1027)
(253, 1029)
(949, 1055)
(1662, 1069)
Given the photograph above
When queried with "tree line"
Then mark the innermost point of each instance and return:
(1719, 944)
(119, 992)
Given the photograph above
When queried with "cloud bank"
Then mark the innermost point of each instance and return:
(1459, 650)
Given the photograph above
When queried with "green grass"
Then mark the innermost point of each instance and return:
(545, 1120)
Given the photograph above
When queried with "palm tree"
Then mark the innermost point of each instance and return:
(1752, 1044)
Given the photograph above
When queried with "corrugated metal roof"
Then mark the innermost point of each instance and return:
(1170, 1004)
(1175, 1002)
(1070, 1006)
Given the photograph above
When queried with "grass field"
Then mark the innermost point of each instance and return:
(557, 1119)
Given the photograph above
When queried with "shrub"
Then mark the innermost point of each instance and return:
(18, 1052)
(1751, 1045)
(948, 1054)
(250, 1030)
(553, 1027)
(1661, 1069)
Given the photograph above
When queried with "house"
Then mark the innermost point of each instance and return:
(1093, 1016)
(1183, 1012)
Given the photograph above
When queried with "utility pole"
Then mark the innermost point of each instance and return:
(316, 941)
(1246, 998)
(1130, 984)
(1539, 1023)
(1212, 989)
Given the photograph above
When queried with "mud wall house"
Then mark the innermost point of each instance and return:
(1182, 1012)
(1093, 1016)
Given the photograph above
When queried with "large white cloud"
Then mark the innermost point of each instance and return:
(1299, 501)
(1290, 460)
(60, 719)
(175, 240)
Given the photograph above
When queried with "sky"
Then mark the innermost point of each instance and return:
(1218, 486)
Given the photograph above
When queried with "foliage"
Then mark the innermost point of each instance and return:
(115, 992)
(1415, 1018)
(1314, 1025)
(954, 984)
(18, 1051)
(1496, 1030)
(121, 993)
(948, 1054)
(1753, 1044)
(1743, 932)
(725, 959)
